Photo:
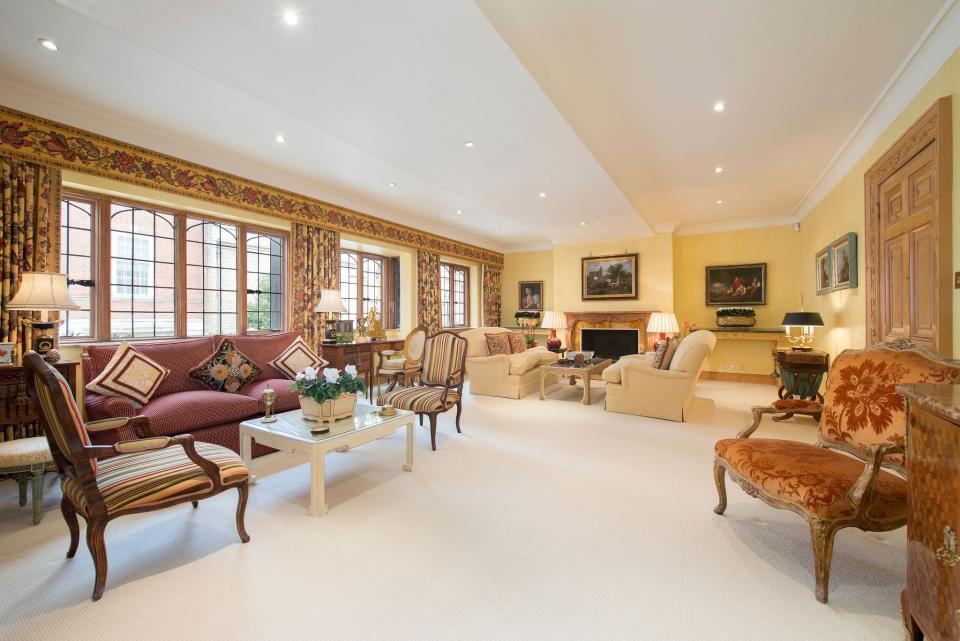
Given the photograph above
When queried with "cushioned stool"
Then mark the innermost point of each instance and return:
(27, 458)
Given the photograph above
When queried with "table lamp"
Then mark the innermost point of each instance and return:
(663, 323)
(330, 303)
(553, 321)
(42, 292)
(806, 321)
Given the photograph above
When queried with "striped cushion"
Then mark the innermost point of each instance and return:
(130, 481)
(420, 399)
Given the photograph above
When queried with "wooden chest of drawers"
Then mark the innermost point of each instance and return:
(931, 602)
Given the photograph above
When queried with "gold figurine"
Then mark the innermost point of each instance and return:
(268, 398)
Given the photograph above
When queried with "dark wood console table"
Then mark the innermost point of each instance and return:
(18, 417)
(360, 355)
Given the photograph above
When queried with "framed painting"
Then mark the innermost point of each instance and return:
(531, 295)
(824, 270)
(609, 277)
(845, 262)
(737, 284)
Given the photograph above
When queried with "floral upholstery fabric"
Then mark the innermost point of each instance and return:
(811, 477)
(660, 352)
(861, 403)
(130, 481)
(428, 291)
(226, 370)
(420, 399)
(316, 263)
(518, 343)
(24, 451)
(491, 295)
(498, 343)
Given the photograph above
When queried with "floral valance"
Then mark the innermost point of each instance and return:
(53, 143)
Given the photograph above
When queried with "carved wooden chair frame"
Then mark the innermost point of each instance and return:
(412, 365)
(454, 382)
(823, 531)
(139, 439)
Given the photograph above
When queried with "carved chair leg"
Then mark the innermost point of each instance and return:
(36, 492)
(195, 504)
(720, 477)
(244, 490)
(70, 516)
(459, 410)
(22, 478)
(822, 535)
(98, 550)
(433, 431)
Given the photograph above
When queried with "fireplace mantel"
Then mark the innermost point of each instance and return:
(627, 320)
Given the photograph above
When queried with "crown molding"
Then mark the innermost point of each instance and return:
(735, 225)
(934, 47)
(51, 107)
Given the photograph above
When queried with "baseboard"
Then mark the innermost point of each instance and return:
(739, 377)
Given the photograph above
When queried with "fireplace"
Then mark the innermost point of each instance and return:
(610, 343)
(635, 321)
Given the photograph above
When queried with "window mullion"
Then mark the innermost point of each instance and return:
(180, 275)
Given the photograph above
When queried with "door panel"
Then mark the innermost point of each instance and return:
(895, 285)
(923, 285)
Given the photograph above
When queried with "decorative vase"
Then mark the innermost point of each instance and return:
(328, 411)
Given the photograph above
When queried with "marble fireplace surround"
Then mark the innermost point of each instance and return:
(576, 321)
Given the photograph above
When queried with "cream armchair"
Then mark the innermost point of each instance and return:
(635, 387)
(506, 375)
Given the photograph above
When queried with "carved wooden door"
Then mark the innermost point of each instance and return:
(907, 209)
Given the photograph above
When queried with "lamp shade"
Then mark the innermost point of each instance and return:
(802, 319)
(42, 291)
(553, 320)
(663, 323)
(330, 301)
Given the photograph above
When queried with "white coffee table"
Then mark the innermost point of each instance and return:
(291, 433)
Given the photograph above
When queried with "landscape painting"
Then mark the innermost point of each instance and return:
(737, 284)
(609, 277)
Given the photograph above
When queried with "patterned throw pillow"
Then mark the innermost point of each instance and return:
(129, 374)
(659, 351)
(226, 370)
(672, 345)
(297, 357)
(498, 343)
(518, 343)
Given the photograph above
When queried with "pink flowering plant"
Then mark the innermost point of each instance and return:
(328, 384)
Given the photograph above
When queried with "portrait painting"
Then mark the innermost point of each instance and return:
(845, 262)
(531, 295)
(737, 284)
(824, 270)
(609, 277)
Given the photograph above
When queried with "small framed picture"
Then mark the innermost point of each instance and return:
(824, 270)
(6, 353)
(845, 262)
(531, 296)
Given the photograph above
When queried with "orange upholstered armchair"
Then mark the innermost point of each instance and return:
(855, 475)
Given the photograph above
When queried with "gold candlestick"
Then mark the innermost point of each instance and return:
(268, 398)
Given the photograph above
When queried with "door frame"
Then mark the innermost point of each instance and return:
(933, 127)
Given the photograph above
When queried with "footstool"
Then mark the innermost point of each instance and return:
(28, 459)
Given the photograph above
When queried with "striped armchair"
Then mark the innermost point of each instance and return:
(144, 473)
(441, 382)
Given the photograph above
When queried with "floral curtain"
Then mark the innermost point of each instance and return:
(316, 266)
(29, 231)
(492, 298)
(428, 291)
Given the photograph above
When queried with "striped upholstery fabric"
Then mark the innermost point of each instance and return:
(48, 406)
(443, 353)
(420, 399)
(130, 481)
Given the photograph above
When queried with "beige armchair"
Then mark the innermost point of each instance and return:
(506, 375)
(634, 386)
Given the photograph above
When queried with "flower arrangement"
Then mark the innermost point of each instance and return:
(736, 316)
(329, 384)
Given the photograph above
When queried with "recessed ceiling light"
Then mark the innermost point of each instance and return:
(719, 202)
(543, 194)
(459, 211)
(48, 44)
(583, 223)
(393, 184)
(280, 139)
(470, 144)
(291, 17)
(503, 229)
(718, 170)
(719, 106)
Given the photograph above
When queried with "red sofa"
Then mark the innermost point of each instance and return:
(182, 404)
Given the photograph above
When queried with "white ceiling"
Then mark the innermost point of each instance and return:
(370, 92)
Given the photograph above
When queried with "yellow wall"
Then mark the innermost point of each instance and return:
(536, 265)
(778, 247)
(842, 211)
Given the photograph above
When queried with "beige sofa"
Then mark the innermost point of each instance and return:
(506, 375)
(635, 387)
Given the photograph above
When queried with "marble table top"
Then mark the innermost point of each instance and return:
(941, 399)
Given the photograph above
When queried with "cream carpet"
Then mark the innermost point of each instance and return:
(543, 520)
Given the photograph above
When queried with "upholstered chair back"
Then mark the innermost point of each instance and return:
(415, 343)
(693, 351)
(862, 406)
(443, 359)
(66, 433)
